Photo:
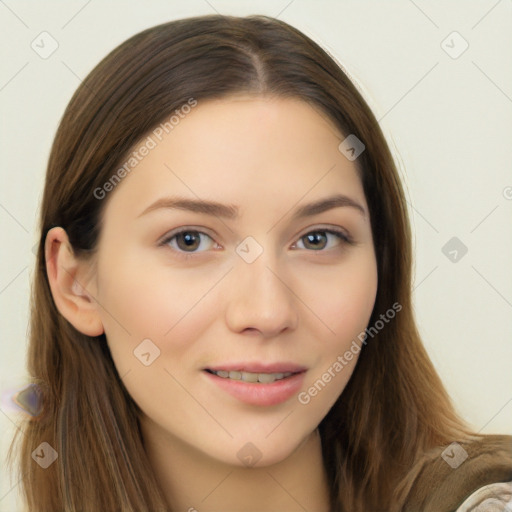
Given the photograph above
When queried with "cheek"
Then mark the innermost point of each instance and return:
(166, 307)
(343, 300)
(141, 301)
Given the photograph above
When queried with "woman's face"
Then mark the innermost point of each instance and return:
(257, 287)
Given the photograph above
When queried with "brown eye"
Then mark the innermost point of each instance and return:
(188, 240)
(322, 238)
(317, 240)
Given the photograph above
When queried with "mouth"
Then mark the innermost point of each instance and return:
(256, 384)
(260, 378)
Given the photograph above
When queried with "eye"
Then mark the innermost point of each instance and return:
(188, 240)
(320, 238)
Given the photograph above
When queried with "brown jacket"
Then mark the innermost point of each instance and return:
(450, 475)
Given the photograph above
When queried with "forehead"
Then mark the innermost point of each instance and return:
(240, 149)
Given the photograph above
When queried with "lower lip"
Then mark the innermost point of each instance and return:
(253, 393)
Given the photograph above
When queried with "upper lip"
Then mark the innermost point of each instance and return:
(255, 367)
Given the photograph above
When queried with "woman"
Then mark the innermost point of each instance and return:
(222, 313)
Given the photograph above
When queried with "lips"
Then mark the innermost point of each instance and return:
(256, 372)
(255, 367)
(258, 383)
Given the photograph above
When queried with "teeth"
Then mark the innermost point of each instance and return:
(266, 378)
(249, 377)
(263, 378)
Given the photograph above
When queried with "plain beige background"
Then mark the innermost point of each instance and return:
(445, 109)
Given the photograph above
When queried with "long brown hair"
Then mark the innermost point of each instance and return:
(394, 407)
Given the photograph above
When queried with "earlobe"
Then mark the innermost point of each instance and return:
(69, 279)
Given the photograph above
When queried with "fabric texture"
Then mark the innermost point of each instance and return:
(448, 478)
(490, 498)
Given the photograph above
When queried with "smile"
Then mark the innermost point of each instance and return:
(257, 388)
(262, 378)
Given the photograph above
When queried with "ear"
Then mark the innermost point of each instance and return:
(70, 279)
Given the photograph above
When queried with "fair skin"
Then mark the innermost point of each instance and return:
(302, 301)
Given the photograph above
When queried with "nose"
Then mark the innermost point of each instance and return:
(260, 299)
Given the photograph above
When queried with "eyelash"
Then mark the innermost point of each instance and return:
(342, 236)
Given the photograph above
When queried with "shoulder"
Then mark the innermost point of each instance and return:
(462, 476)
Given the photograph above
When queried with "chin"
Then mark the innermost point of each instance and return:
(259, 451)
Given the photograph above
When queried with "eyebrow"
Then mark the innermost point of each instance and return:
(230, 211)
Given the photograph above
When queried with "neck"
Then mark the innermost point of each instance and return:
(192, 481)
